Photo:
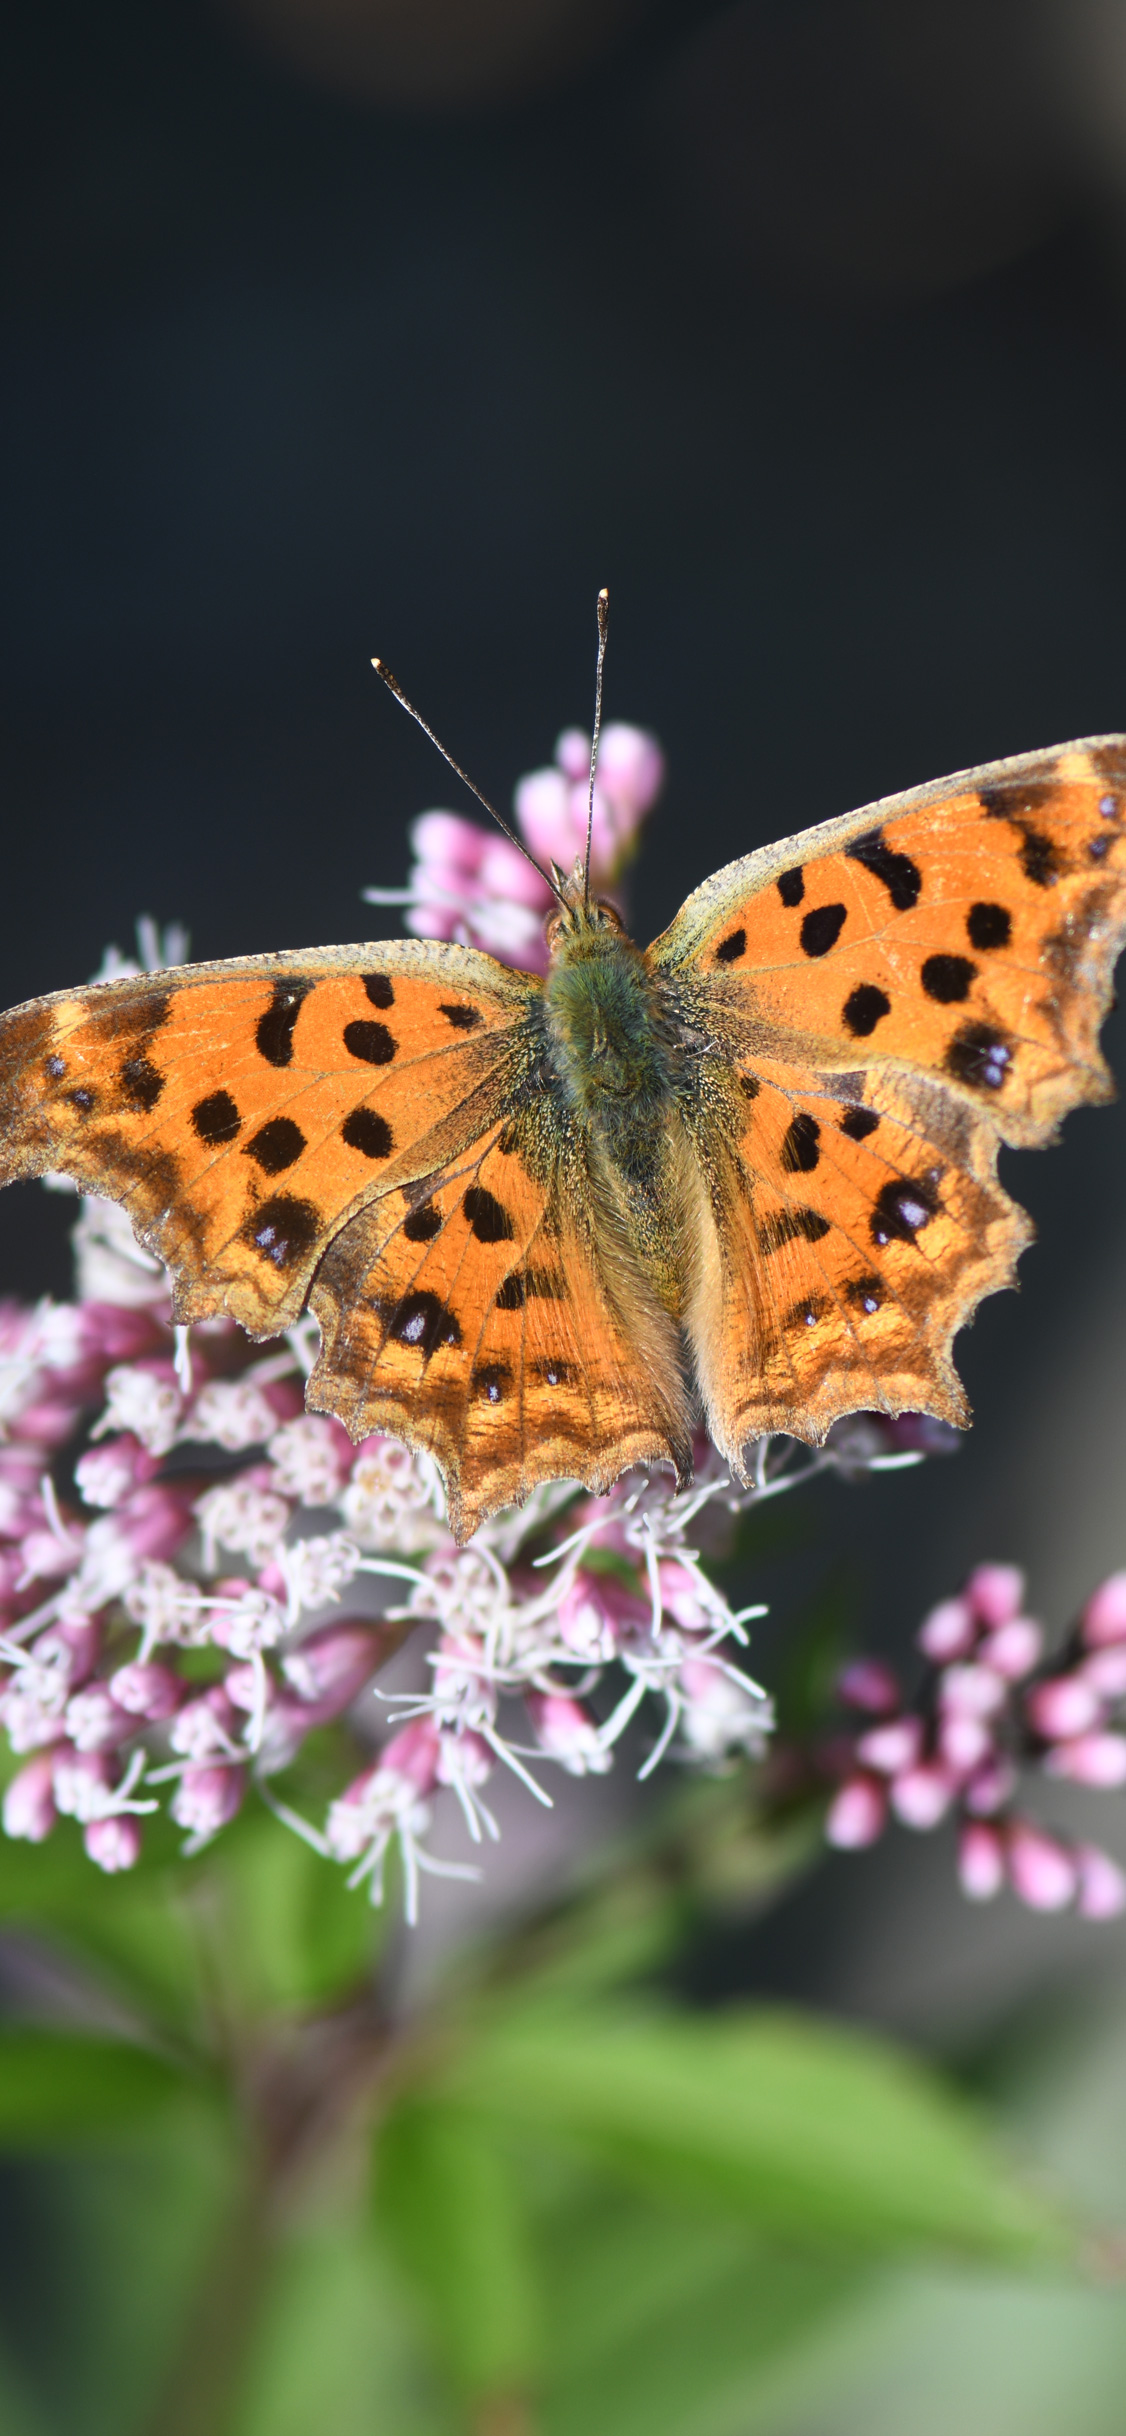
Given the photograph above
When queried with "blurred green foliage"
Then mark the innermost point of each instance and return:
(249, 2193)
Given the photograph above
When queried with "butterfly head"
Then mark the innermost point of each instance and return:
(575, 916)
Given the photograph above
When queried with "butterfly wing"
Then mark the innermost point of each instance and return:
(356, 1122)
(888, 997)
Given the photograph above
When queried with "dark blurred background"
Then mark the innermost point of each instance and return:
(341, 326)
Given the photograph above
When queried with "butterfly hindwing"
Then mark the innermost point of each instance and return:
(473, 1317)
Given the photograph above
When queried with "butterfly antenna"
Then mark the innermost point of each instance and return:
(394, 687)
(603, 630)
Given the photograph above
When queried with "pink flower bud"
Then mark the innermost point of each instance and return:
(1015, 1648)
(114, 1843)
(595, 1612)
(205, 1726)
(922, 1795)
(49, 1422)
(413, 1755)
(867, 1684)
(447, 843)
(1104, 1616)
(568, 1733)
(111, 1471)
(73, 1644)
(333, 1664)
(995, 1593)
(206, 1799)
(464, 1759)
(1061, 1706)
(572, 754)
(631, 766)
(990, 1789)
(1105, 1671)
(857, 1814)
(1089, 1759)
(1102, 1884)
(973, 1690)
(948, 1632)
(29, 1803)
(82, 1780)
(1041, 1871)
(891, 1747)
(94, 1721)
(148, 1690)
(964, 1743)
(981, 1862)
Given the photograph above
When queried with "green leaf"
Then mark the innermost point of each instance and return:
(53, 2087)
(796, 2125)
(448, 2205)
(291, 1934)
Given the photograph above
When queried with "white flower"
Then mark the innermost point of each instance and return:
(141, 1401)
(307, 1457)
(393, 1499)
(232, 1413)
(317, 1570)
(167, 1608)
(242, 1515)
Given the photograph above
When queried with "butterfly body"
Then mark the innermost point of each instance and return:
(747, 1174)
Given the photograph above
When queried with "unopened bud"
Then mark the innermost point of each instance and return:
(981, 1862)
(29, 1802)
(1091, 1759)
(1102, 1884)
(857, 1814)
(995, 1593)
(113, 1843)
(207, 1798)
(867, 1684)
(922, 1796)
(1041, 1871)
(1062, 1706)
(948, 1632)
(891, 1747)
(1104, 1616)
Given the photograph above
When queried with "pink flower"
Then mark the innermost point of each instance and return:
(948, 1631)
(857, 1814)
(1104, 1616)
(412, 1755)
(1105, 1671)
(867, 1684)
(1014, 1648)
(148, 1690)
(964, 1743)
(110, 1472)
(1090, 1759)
(552, 804)
(1041, 1871)
(981, 1862)
(113, 1843)
(975, 1691)
(990, 1788)
(1061, 1706)
(568, 1733)
(921, 1796)
(888, 1748)
(206, 1799)
(1102, 1884)
(94, 1721)
(29, 1803)
(995, 1593)
(332, 1664)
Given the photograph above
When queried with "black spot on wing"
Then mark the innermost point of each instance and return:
(790, 1226)
(900, 876)
(988, 926)
(276, 1145)
(422, 1319)
(979, 1056)
(947, 979)
(859, 1123)
(216, 1119)
(492, 1382)
(1041, 858)
(750, 1086)
(463, 1019)
(371, 1042)
(423, 1222)
(274, 1030)
(902, 1208)
(822, 928)
(141, 1083)
(866, 1293)
(731, 948)
(864, 1008)
(283, 1229)
(366, 1131)
(487, 1216)
(379, 990)
(526, 1285)
(791, 886)
(800, 1151)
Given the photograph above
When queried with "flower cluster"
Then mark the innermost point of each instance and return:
(472, 885)
(993, 1704)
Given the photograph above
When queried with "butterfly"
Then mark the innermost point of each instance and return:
(746, 1175)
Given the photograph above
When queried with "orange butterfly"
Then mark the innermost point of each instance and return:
(749, 1170)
